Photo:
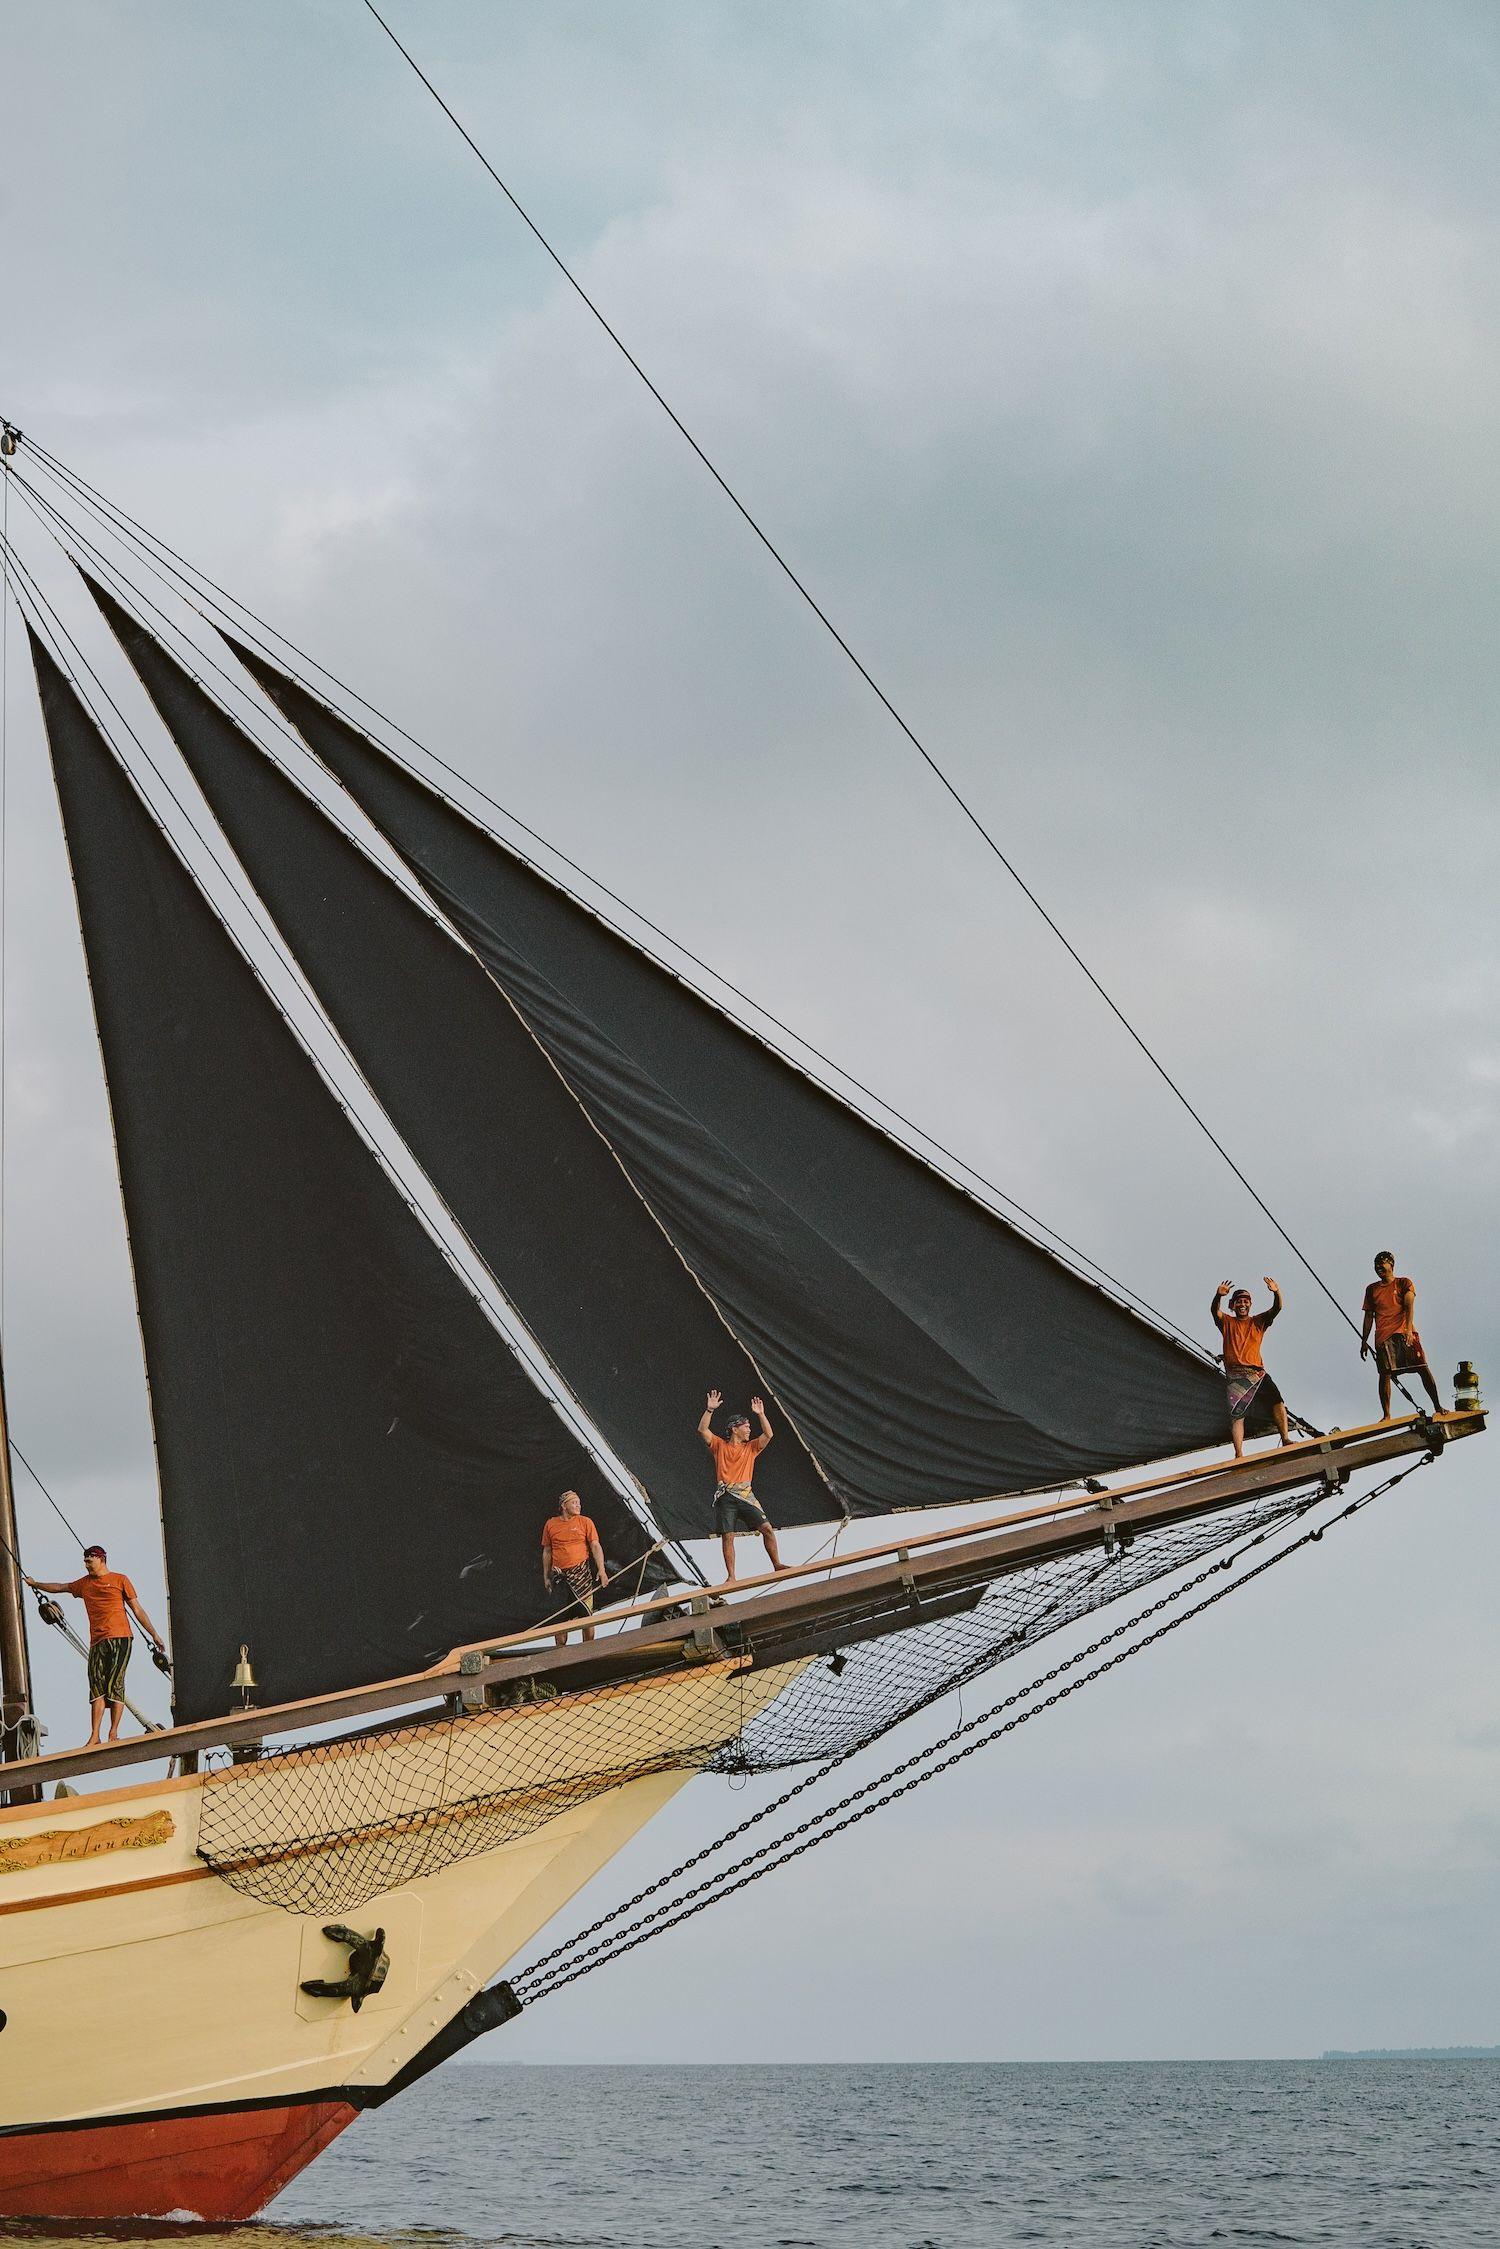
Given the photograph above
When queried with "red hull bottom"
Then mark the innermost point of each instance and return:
(206, 2166)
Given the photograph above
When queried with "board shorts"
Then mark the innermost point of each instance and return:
(1400, 1354)
(736, 1508)
(579, 1581)
(107, 1661)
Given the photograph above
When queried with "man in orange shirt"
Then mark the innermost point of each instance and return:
(571, 1552)
(106, 1595)
(1250, 1387)
(1391, 1310)
(736, 1507)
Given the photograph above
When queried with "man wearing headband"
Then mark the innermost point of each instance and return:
(1250, 1388)
(736, 1507)
(106, 1595)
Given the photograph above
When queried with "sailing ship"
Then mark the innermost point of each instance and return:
(384, 1775)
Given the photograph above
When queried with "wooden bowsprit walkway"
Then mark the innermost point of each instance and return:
(811, 1607)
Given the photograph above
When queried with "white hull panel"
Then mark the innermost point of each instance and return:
(134, 1980)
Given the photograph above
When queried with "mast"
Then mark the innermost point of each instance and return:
(15, 1656)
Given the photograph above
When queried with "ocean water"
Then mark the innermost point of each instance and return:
(1131, 2155)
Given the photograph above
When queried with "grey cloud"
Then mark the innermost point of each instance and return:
(1123, 379)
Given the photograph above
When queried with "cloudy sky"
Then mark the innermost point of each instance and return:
(1122, 379)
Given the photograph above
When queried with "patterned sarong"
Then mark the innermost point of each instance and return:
(579, 1581)
(1251, 1391)
(107, 1661)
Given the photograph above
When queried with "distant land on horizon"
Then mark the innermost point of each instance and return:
(1411, 2054)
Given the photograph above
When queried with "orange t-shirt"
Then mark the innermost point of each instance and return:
(1386, 1300)
(1242, 1339)
(567, 1539)
(735, 1462)
(104, 1598)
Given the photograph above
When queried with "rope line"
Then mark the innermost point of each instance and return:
(148, 547)
(873, 684)
(983, 1731)
(46, 1494)
(539, 1370)
(133, 599)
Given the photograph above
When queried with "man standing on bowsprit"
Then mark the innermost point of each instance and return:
(106, 1595)
(1391, 1310)
(736, 1507)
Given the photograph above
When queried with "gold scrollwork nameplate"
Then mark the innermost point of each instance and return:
(55, 1845)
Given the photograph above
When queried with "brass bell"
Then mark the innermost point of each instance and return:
(1466, 1398)
(244, 1677)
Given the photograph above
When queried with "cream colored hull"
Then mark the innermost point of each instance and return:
(134, 1980)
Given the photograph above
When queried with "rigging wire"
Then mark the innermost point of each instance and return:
(965, 808)
(567, 1962)
(69, 1527)
(559, 1398)
(147, 547)
(4, 872)
(135, 600)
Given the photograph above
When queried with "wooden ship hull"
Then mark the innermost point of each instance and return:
(159, 2056)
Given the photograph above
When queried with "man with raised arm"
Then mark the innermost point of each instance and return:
(1391, 1310)
(571, 1552)
(106, 1594)
(1250, 1387)
(736, 1507)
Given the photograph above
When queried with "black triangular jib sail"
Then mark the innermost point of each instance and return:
(488, 1116)
(355, 1469)
(925, 1351)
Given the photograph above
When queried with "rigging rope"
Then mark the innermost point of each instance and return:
(782, 564)
(46, 1494)
(55, 634)
(149, 550)
(576, 1957)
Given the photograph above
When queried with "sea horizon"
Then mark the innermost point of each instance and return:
(1302, 2152)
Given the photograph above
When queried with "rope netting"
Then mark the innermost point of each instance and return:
(842, 1703)
(323, 1827)
(625, 1928)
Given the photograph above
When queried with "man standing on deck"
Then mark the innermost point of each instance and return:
(1250, 1387)
(736, 1507)
(106, 1595)
(1391, 1310)
(571, 1551)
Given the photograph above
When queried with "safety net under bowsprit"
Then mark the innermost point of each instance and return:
(325, 1826)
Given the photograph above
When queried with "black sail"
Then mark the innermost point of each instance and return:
(488, 1117)
(354, 1469)
(927, 1351)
